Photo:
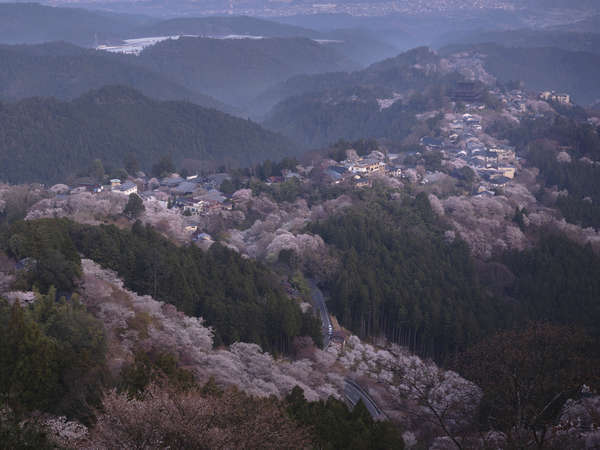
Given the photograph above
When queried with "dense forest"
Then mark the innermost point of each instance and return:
(52, 357)
(236, 296)
(48, 141)
(557, 281)
(321, 118)
(315, 120)
(70, 71)
(403, 278)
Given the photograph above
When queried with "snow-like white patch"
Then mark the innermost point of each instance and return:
(135, 46)
(385, 103)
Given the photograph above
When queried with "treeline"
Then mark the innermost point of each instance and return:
(401, 278)
(238, 297)
(47, 140)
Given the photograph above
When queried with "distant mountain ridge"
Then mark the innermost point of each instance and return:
(236, 70)
(222, 26)
(356, 44)
(32, 23)
(66, 71)
(47, 140)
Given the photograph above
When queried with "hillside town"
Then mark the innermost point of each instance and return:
(460, 153)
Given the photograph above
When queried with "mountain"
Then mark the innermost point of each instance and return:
(31, 23)
(408, 70)
(66, 71)
(402, 71)
(378, 102)
(223, 26)
(48, 140)
(321, 118)
(357, 44)
(236, 70)
(545, 68)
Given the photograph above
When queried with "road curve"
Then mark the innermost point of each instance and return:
(353, 393)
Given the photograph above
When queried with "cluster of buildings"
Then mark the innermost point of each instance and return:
(359, 170)
(551, 96)
(193, 195)
(495, 164)
(89, 185)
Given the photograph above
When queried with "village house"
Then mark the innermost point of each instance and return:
(562, 98)
(507, 171)
(499, 181)
(367, 166)
(126, 188)
(191, 207)
(395, 171)
(360, 182)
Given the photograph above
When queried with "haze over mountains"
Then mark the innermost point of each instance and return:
(206, 65)
(70, 71)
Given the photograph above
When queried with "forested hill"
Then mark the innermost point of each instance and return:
(414, 69)
(236, 70)
(28, 23)
(223, 26)
(69, 71)
(546, 68)
(349, 105)
(358, 44)
(48, 140)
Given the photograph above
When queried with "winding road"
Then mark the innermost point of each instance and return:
(352, 390)
(353, 393)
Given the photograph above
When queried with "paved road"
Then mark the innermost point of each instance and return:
(352, 390)
(354, 393)
(319, 303)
